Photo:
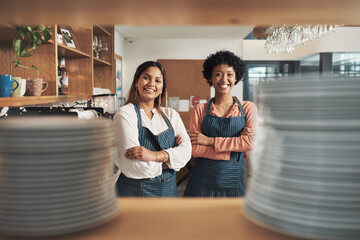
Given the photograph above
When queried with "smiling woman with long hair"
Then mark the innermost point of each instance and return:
(152, 141)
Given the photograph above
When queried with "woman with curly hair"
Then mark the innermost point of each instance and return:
(152, 141)
(221, 132)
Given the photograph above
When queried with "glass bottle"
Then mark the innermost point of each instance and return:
(59, 80)
(64, 78)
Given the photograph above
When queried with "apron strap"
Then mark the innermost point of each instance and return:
(207, 111)
(166, 120)
(137, 109)
(240, 107)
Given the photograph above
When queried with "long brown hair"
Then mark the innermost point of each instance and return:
(133, 97)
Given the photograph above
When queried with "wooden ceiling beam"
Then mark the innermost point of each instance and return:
(181, 12)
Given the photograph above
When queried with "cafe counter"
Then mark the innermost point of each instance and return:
(181, 218)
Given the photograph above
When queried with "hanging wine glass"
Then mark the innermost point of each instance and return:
(105, 49)
(97, 46)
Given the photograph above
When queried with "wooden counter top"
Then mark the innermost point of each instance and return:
(182, 218)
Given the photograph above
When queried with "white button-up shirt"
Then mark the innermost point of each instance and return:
(126, 132)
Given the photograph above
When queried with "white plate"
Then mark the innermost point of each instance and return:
(56, 211)
(49, 200)
(29, 166)
(53, 124)
(34, 183)
(50, 159)
(314, 198)
(314, 124)
(302, 220)
(55, 172)
(309, 184)
(39, 198)
(71, 225)
(322, 215)
(317, 201)
(34, 148)
(28, 222)
(310, 171)
(297, 230)
(53, 139)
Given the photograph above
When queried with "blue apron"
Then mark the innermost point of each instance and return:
(219, 178)
(163, 185)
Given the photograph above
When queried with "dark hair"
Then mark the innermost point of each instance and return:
(223, 57)
(133, 96)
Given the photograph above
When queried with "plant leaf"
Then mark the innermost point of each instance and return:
(38, 38)
(36, 35)
(19, 47)
(16, 62)
(33, 47)
(23, 31)
(25, 54)
(36, 69)
(32, 37)
(47, 34)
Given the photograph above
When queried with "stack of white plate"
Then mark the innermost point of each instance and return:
(306, 179)
(56, 175)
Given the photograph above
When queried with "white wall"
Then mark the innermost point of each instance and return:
(346, 39)
(141, 50)
(119, 44)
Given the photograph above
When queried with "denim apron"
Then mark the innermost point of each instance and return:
(163, 185)
(219, 178)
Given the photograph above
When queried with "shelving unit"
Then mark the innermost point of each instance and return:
(101, 31)
(99, 62)
(85, 71)
(104, 67)
(68, 52)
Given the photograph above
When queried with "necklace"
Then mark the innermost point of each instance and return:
(225, 106)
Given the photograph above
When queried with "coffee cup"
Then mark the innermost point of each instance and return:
(6, 87)
(16, 93)
(23, 87)
(35, 86)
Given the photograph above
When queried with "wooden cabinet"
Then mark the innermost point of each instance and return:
(104, 68)
(85, 70)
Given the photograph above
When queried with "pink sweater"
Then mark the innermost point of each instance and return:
(223, 145)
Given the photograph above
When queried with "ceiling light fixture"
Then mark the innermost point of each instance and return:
(285, 39)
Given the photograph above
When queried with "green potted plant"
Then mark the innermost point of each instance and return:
(37, 35)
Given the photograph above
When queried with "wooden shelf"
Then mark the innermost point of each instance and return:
(100, 62)
(22, 101)
(68, 52)
(66, 98)
(100, 31)
(29, 100)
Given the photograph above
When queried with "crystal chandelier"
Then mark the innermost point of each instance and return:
(285, 39)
